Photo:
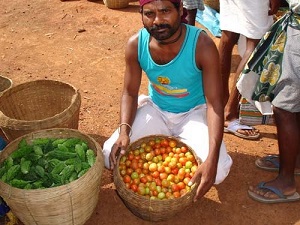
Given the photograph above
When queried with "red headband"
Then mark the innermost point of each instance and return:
(143, 2)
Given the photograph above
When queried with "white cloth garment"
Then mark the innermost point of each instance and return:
(249, 18)
(190, 127)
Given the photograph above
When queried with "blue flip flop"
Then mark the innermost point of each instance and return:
(273, 160)
(281, 197)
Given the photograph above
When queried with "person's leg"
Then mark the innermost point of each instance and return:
(227, 42)
(288, 130)
(191, 16)
(231, 109)
(148, 121)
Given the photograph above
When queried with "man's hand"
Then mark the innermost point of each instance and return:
(118, 149)
(205, 176)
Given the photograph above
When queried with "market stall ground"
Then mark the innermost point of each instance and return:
(82, 43)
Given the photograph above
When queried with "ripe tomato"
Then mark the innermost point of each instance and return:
(155, 174)
(163, 175)
(172, 143)
(184, 149)
(164, 142)
(134, 187)
(174, 188)
(144, 180)
(127, 179)
(176, 194)
(181, 185)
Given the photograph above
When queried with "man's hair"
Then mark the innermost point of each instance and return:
(176, 5)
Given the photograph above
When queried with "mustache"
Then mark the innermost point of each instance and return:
(160, 26)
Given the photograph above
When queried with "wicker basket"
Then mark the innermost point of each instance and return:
(153, 209)
(5, 84)
(38, 105)
(214, 4)
(70, 204)
(116, 4)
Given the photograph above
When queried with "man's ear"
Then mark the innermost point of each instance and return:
(181, 8)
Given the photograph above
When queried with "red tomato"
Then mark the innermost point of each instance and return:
(176, 194)
(164, 143)
(134, 187)
(174, 188)
(127, 179)
(181, 185)
(144, 180)
(184, 149)
(155, 174)
(163, 176)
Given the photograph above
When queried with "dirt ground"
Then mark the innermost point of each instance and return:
(82, 43)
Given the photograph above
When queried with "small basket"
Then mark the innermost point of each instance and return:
(153, 209)
(38, 105)
(214, 4)
(69, 204)
(5, 84)
(116, 4)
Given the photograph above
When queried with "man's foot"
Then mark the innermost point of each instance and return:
(271, 163)
(241, 130)
(270, 194)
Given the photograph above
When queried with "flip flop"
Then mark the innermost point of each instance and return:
(281, 197)
(271, 163)
(235, 125)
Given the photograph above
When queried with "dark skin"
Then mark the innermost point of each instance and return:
(288, 133)
(227, 42)
(154, 14)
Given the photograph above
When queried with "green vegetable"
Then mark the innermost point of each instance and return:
(25, 166)
(57, 154)
(21, 152)
(40, 171)
(38, 150)
(18, 183)
(80, 152)
(58, 168)
(91, 158)
(13, 172)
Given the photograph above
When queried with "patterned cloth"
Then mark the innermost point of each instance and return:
(193, 4)
(266, 61)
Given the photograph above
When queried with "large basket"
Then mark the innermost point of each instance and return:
(153, 209)
(70, 204)
(214, 4)
(5, 84)
(38, 105)
(116, 4)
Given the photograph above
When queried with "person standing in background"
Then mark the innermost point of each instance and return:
(245, 22)
(190, 8)
(275, 64)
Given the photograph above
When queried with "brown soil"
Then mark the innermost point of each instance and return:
(82, 43)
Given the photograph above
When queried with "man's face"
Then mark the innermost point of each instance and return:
(161, 19)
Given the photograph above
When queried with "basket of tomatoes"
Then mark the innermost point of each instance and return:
(152, 177)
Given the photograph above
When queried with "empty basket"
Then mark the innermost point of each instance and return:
(37, 105)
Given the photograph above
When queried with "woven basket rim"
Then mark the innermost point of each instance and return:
(6, 81)
(129, 196)
(8, 122)
(33, 205)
